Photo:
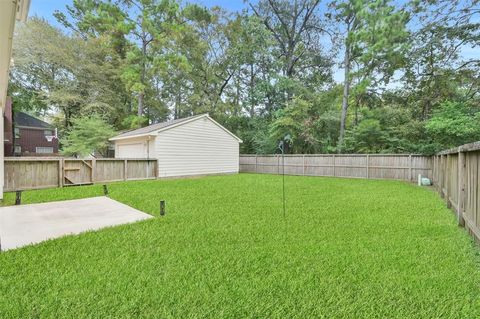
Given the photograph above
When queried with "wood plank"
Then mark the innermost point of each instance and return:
(39, 173)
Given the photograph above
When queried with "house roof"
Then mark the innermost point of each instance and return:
(155, 128)
(23, 119)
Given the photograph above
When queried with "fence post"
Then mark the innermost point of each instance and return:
(92, 173)
(303, 166)
(461, 188)
(440, 177)
(368, 166)
(60, 172)
(334, 172)
(410, 167)
(278, 164)
(256, 170)
(447, 191)
(125, 169)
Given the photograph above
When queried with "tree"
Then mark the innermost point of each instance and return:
(60, 73)
(453, 124)
(139, 29)
(375, 34)
(437, 69)
(311, 120)
(265, 72)
(298, 29)
(87, 136)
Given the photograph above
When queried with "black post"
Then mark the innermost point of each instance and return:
(162, 208)
(18, 197)
(105, 190)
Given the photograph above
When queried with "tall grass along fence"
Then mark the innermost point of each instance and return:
(387, 166)
(456, 175)
(23, 173)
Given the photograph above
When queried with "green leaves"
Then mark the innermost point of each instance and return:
(262, 72)
(87, 136)
(454, 123)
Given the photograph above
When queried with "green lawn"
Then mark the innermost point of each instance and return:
(346, 249)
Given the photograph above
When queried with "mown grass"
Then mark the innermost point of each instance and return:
(346, 249)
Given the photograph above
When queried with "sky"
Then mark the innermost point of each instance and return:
(45, 8)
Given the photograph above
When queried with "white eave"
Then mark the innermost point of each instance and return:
(119, 138)
(10, 11)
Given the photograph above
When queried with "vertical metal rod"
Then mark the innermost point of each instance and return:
(105, 190)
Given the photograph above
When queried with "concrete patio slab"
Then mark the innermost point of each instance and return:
(28, 224)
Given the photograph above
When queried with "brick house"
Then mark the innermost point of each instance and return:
(25, 135)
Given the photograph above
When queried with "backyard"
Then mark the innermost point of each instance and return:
(345, 248)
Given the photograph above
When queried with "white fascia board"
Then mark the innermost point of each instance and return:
(132, 136)
(223, 128)
(197, 118)
(8, 11)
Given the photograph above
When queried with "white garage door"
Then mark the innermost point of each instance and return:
(135, 150)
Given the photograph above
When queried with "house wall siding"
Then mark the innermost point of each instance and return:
(31, 138)
(198, 147)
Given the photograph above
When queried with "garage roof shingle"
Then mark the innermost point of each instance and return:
(155, 127)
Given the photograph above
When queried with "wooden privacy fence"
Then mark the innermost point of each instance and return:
(389, 166)
(456, 175)
(22, 173)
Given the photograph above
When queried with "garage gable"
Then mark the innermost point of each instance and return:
(154, 129)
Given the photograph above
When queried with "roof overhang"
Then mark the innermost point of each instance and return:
(10, 11)
(120, 138)
(155, 133)
(199, 117)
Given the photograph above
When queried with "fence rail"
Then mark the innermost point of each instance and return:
(375, 166)
(23, 173)
(456, 176)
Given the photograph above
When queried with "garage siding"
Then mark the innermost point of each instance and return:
(196, 148)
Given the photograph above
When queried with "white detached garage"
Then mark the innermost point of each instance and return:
(195, 145)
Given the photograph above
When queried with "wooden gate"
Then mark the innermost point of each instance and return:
(77, 172)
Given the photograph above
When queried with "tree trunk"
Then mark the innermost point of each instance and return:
(346, 92)
(251, 90)
(356, 112)
(177, 106)
(141, 97)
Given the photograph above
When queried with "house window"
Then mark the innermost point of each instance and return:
(44, 150)
(17, 149)
(17, 132)
(47, 133)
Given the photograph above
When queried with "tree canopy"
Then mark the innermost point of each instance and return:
(336, 75)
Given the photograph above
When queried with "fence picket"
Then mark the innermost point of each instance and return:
(23, 173)
(374, 166)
